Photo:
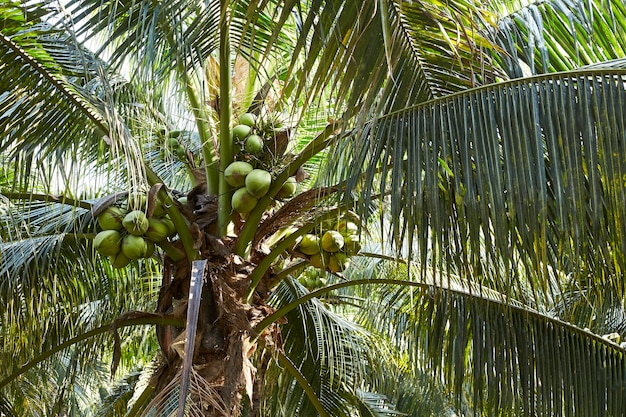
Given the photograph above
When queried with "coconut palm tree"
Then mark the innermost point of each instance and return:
(432, 221)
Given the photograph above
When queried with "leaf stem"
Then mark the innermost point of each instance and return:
(263, 324)
(48, 198)
(226, 143)
(161, 320)
(204, 132)
(285, 362)
(147, 392)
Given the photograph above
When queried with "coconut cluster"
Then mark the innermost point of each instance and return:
(312, 279)
(127, 232)
(247, 175)
(332, 248)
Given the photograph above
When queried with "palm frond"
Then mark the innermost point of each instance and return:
(558, 35)
(114, 402)
(523, 178)
(160, 38)
(45, 247)
(376, 405)
(41, 116)
(510, 360)
(381, 57)
(328, 350)
(5, 407)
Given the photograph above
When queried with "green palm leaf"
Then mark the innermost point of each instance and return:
(558, 35)
(508, 359)
(500, 182)
(41, 116)
(327, 349)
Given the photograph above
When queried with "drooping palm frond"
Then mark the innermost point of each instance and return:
(327, 349)
(40, 114)
(54, 288)
(158, 36)
(558, 35)
(596, 307)
(368, 52)
(498, 358)
(115, 401)
(350, 371)
(64, 110)
(5, 407)
(174, 37)
(520, 178)
(398, 387)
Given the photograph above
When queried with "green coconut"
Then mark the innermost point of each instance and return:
(309, 245)
(254, 145)
(240, 132)
(173, 144)
(352, 244)
(136, 222)
(120, 260)
(346, 227)
(258, 182)
(235, 173)
(247, 119)
(159, 209)
(320, 260)
(181, 154)
(332, 241)
(111, 218)
(338, 262)
(158, 229)
(288, 189)
(134, 247)
(171, 227)
(108, 242)
(242, 201)
(151, 247)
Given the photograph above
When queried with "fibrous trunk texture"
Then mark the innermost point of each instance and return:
(225, 342)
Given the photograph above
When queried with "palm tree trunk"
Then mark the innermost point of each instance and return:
(225, 339)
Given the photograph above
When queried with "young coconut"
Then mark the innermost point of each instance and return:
(235, 173)
(159, 208)
(240, 132)
(134, 247)
(242, 202)
(171, 227)
(338, 262)
(247, 119)
(258, 182)
(254, 145)
(288, 189)
(332, 241)
(173, 144)
(151, 248)
(136, 222)
(158, 229)
(320, 260)
(108, 242)
(352, 244)
(346, 228)
(309, 245)
(111, 218)
(119, 260)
